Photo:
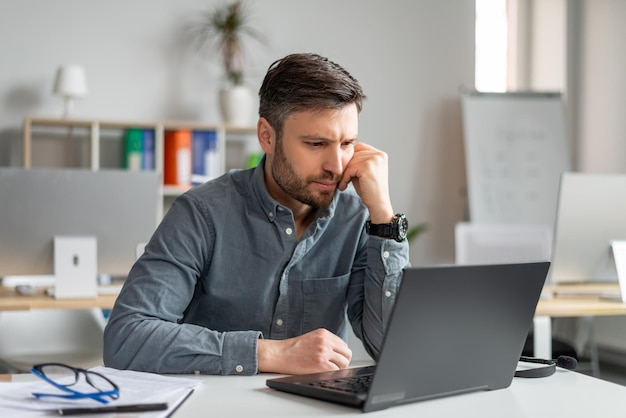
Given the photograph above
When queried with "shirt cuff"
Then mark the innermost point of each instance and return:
(240, 353)
(393, 256)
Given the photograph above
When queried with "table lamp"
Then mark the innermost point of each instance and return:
(70, 83)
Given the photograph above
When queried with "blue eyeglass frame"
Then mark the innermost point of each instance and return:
(74, 394)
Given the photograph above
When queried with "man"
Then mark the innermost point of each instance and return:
(254, 271)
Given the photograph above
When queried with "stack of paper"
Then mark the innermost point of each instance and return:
(16, 400)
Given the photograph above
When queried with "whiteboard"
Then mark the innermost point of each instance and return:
(515, 150)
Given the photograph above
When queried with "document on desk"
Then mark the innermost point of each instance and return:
(16, 398)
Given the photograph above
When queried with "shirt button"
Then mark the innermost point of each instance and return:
(239, 368)
(289, 231)
(388, 293)
(279, 322)
(270, 214)
(385, 254)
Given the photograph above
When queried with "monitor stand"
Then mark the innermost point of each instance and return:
(75, 267)
(619, 255)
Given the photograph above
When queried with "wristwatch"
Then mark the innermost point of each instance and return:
(396, 229)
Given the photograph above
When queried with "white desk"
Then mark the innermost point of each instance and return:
(564, 394)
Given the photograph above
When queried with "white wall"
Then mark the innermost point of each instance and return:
(602, 86)
(548, 41)
(576, 46)
(410, 56)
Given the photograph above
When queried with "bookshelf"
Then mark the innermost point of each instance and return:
(98, 144)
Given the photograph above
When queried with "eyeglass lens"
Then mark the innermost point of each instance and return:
(68, 376)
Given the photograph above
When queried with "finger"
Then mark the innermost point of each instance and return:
(345, 181)
(348, 173)
(341, 352)
(360, 146)
(338, 360)
(353, 169)
(343, 357)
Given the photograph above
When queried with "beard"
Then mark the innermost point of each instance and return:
(286, 178)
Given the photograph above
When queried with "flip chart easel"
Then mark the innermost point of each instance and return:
(516, 150)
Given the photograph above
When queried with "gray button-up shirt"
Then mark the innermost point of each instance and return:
(225, 268)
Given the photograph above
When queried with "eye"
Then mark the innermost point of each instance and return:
(315, 144)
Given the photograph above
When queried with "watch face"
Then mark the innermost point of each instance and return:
(403, 227)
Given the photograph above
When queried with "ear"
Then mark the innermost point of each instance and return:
(266, 136)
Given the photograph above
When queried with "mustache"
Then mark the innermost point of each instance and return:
(327, 176)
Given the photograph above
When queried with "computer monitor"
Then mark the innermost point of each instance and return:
(591, 213)
(118, 207)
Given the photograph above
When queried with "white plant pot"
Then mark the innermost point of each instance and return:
(236, 106)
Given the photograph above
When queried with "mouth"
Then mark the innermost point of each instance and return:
(325, 185)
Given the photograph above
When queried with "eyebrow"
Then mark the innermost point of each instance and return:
(324, 139)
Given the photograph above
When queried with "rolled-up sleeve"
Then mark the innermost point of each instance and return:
(371, 300)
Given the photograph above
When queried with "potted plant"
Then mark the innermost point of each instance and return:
(223, 29)
(415, 231)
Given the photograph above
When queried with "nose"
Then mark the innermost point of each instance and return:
(334, 161)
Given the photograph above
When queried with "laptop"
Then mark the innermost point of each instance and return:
(454, 329)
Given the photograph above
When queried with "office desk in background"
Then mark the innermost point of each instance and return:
(564, 394)
(572, 301)
(39, 328)
(557, 307)
(10, 300)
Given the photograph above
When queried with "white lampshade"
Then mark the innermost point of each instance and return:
(71, 83)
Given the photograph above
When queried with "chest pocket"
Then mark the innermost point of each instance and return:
(324, 302)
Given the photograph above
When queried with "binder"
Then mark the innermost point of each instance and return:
(147, 161)
(133, 149)
(177, 158)
(205, 156)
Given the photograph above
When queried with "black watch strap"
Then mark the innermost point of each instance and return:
(395, 229)
(379, 230)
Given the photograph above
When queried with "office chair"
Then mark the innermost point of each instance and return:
(477, 243)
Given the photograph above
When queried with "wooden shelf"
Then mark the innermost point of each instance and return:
(34, 125)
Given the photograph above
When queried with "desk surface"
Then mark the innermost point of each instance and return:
(564, 394)
(579, 300)
(10, 300)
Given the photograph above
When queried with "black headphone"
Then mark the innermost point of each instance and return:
(565, 362)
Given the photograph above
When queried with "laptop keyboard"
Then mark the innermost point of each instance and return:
(353, 384)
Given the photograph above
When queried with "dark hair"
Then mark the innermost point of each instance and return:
(300, 82)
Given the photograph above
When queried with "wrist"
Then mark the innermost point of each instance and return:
(381, 216)
(264, 355)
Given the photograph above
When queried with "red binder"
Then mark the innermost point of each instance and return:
(177, 158)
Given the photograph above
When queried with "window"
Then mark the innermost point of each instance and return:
(491, 45)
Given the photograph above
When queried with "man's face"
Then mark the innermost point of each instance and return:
(310, 158)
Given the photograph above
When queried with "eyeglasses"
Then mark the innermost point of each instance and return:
(68, 379)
